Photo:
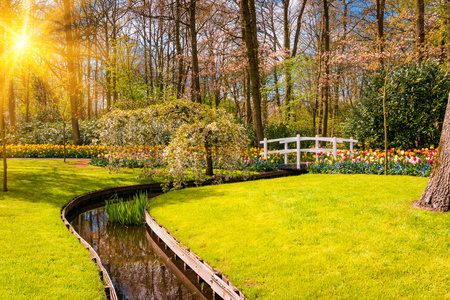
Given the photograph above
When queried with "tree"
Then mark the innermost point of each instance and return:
(191, 130)
(248, 19)
(436, 196)
(71, 72)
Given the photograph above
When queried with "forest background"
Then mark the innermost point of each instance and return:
(280, 67)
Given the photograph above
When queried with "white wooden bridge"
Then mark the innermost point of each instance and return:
(298, 139)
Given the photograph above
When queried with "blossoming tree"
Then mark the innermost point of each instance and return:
(194, 133)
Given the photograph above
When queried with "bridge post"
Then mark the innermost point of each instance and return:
(265, 148)
(285, 154)
(317, 147)
(334, 146)
(298, 151)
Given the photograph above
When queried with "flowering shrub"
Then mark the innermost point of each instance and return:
(52, 132)
(400, 162)
(189, 130)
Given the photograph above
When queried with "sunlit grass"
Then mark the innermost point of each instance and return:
(39, 257)
(316, 236)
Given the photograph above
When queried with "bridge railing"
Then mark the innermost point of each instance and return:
(298, 139)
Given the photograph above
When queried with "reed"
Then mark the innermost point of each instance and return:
(127, 212)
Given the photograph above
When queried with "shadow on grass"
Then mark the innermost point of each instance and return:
(55, 183)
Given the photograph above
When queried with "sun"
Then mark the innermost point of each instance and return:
(21, 42)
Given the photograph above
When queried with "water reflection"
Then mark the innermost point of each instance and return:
(135, 269)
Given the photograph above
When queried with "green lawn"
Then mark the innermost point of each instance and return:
(39, 257)
(316, 236)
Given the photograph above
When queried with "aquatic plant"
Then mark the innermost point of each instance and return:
(127, 212)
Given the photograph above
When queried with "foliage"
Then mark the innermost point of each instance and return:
(414, 163)
(39, 132)
(127, 212)
(359, 232)
(415, 103)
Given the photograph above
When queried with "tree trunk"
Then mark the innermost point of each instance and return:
(420, 28)
(248, 104)
(88, 82)
(71, 72)
(12, 106)
(436, 196)
(108, 70)
(209, 161)
(287, 62)
(448, 36)
(3, 95)
(380, 5)
(179, 79)
(326, 83)
(251, 43)
(196, 94)
(27, 98)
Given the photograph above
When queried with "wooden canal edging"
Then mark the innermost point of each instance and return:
(219, 283)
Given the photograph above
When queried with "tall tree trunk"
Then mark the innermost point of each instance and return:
(108, 69)
(297, 30)
(420, 28)
(71, 72)
(196, 94)
(326, 79)
(448, 36)
(248, 92)
(114, 64)
(145, 50)
(287, 69)
(179, 50)
(27, 97)
(251, 43)
(275, 69)
(88, 81)
(3, 95)
(380, 5)
(12, 106)
(436, 196)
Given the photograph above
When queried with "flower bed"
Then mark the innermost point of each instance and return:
(400, 162)
(53, 151)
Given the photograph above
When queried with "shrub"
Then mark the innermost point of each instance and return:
(39, 132)
(415, 102)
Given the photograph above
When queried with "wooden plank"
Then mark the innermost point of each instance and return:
(205, 272)
(186, 282)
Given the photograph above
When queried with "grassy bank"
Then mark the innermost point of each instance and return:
(39, 258)
(316, 236)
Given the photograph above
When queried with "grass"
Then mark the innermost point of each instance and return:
(316, 236)
(39, 257)
(129, 212)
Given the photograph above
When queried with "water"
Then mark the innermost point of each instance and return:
(138, 267)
